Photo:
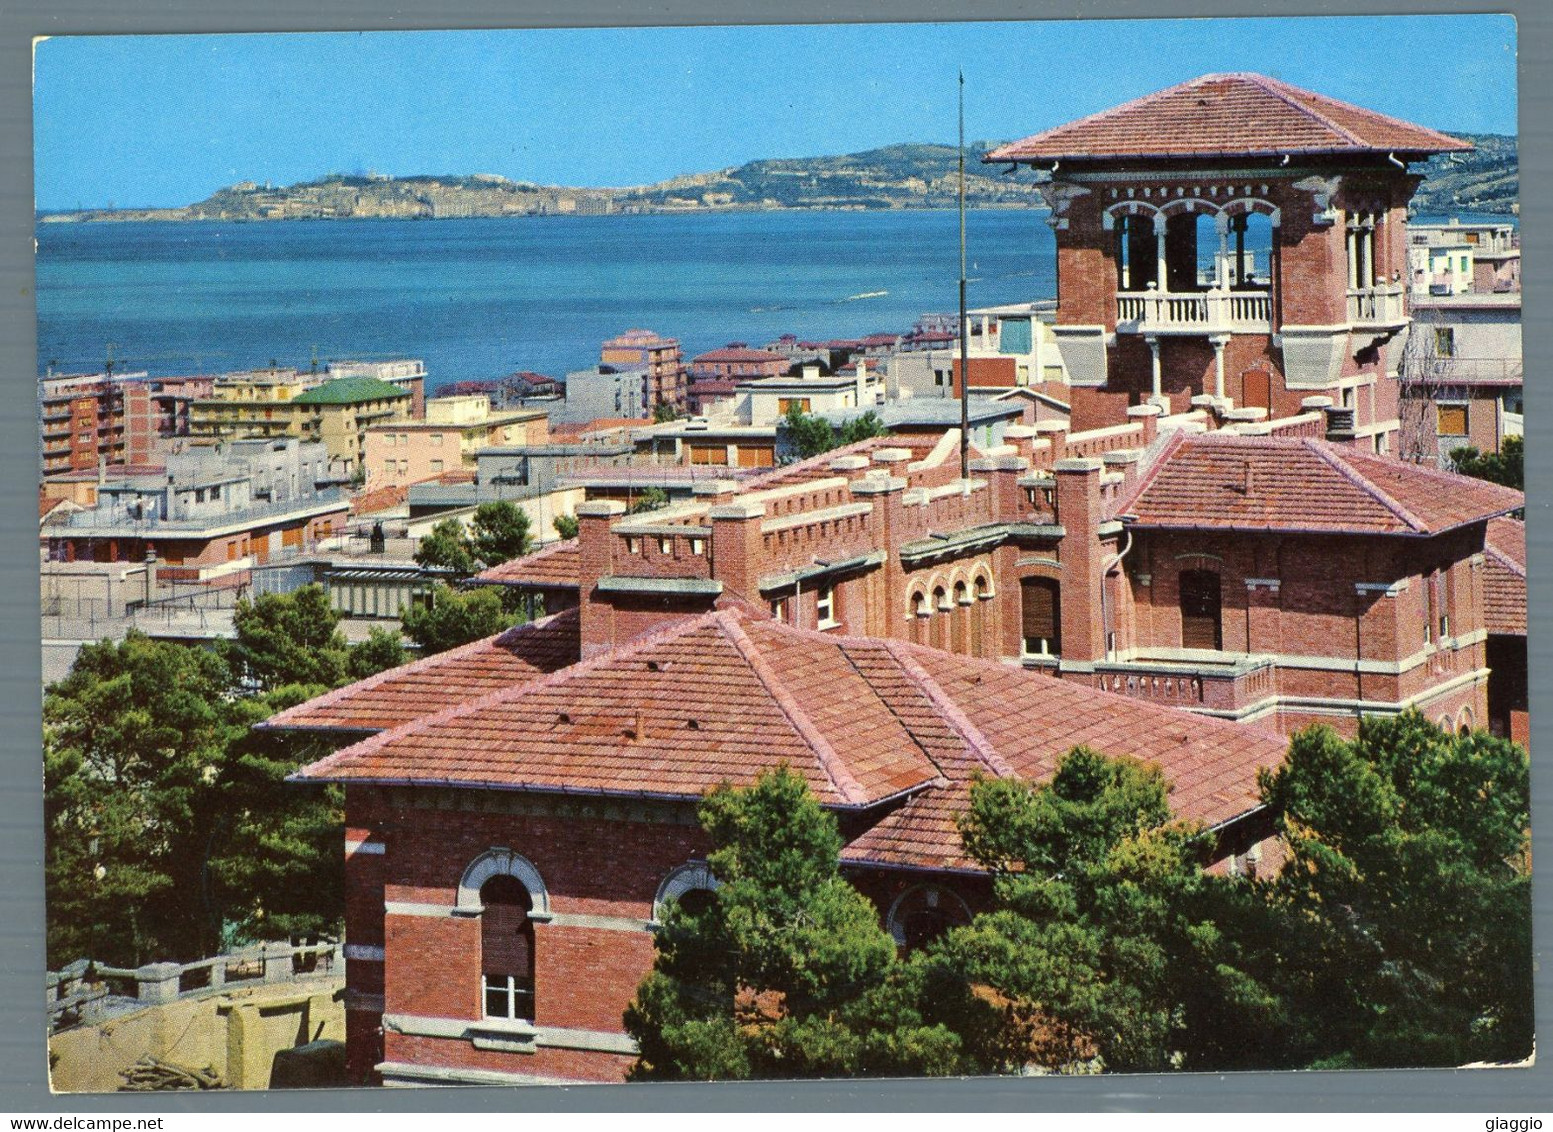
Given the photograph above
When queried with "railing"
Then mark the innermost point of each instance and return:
(86, 991)
(1201, 312)
(1381, 305)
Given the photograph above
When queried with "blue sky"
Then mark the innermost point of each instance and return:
(165, 120)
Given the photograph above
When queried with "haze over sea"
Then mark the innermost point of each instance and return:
(486, 297)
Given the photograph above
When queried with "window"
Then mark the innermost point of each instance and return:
(923, 913)
(1041, 611)
(825, 606)
(633, 545)
(785, 404)
(1452, 420)
(1445, 341)
(506, 949)
(665, 546)
(436, 467)
(436, 440)
(1201, 610)
(698, 546)
(388, 440)
(779, 609)
(709, 454)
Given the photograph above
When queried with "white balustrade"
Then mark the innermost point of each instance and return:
(1202, 312)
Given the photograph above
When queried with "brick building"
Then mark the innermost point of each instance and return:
(113, 419)
(1201, 523)
(1236, 243)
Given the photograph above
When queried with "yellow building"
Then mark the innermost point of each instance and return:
(455, 429)
(340, 412)
(255, 403)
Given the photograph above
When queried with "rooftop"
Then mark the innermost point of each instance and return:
(1229, 115)
(1504, 579)
(722, 696)
(556, 565)
(350, 391)
(1267, 483)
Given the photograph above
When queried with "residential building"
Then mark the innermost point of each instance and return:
(112, 418)
(454, 431)
(1455, 258)
(408, 374)
(252, 403)
(664, 381)
(606, 391)
(714, 375)
(340, 411)
(211, 515)
(1461, 374)
(1234, 243)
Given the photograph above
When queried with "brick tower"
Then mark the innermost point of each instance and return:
(1234, 244)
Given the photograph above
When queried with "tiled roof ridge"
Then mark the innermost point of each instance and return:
(975, 740)
(824, 458)
(1281, 90)
(1504, 559)
(435, 660)
(1146, 480)
(381, 739)
(1364, 484)
(830, 761)
(846, 647)
(1098, 115)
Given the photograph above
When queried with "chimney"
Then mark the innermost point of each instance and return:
(811, 371)
(596, 545)
(862, 384)
(1148, 416)
(1080, 510)
(736, 546)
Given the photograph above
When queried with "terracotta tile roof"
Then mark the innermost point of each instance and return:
(1269, 483)
(380, 499)
(722, 696)
(1504, 577)
(736, 354)
(401, 695)
(556, 565)
(1239, 115)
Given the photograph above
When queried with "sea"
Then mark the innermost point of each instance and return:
(480, 298)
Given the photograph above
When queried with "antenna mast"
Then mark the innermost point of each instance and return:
(965, 371)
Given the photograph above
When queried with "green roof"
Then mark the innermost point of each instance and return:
(349, 391)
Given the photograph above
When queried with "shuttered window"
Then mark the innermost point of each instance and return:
(756, 456)
(1041, 606)
(1201, 610)
(507, 949)
(708, 453)
(1453, 420)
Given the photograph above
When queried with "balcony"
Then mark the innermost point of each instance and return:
(1377, 306)
(1193, 312)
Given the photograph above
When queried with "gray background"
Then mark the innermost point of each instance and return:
(23, 1076)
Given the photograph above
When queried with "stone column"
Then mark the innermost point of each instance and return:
(1218, 342)
(1221, 260)
(1158, 374)
(1162, 277)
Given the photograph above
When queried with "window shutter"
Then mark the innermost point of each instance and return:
(1201, 610)
(506, 935)
(1042, 612)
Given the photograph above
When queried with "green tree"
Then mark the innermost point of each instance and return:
(456, 617)
(499, 533)
(134, 741)
(785, 972)
(1507, 466)
(1102, 950)
(169, 831)
(285, 639)
(566, 526)
(1406, 894)
(448, 547)
(650, 499)
(808, 435)
(864, 427)
(663, 412)
(383, 649)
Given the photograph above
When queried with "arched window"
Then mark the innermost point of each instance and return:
(1201, 610)
(940, 623)
(1041, 610)
(506, 949)
(692, 886)
(960, 619)
(923, 913)
(978, 616)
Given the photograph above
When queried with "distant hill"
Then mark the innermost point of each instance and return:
(895, 176)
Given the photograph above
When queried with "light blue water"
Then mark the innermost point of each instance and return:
(480, 298)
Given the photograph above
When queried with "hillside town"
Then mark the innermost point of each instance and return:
(1218, 488)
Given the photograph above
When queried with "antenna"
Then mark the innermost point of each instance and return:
(965, 370)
